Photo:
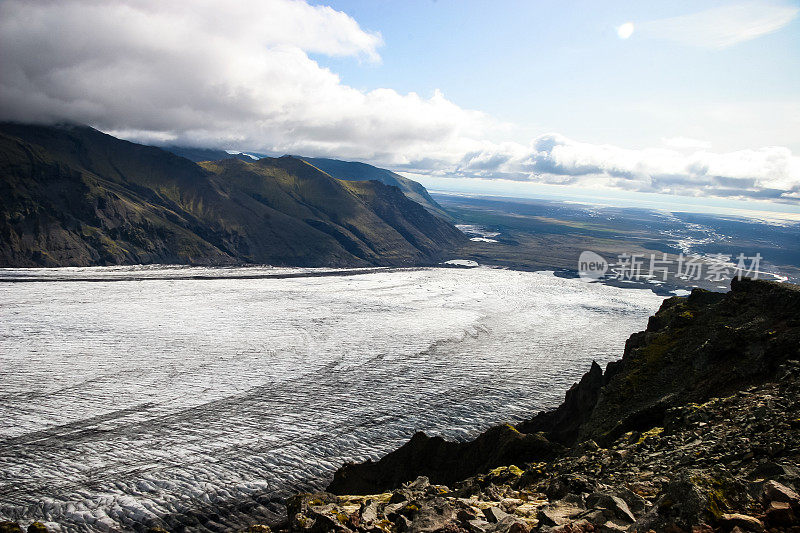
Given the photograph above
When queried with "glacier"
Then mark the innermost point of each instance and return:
(198, 397)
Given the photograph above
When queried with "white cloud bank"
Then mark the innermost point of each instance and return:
(211, 72)
(238, 75)
(771, 173)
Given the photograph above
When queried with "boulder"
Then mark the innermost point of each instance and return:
(561, 512)
(479, 526)
(775, 492)
(745, 522)
(550, 517)
(326, 517)
(516, 527)
(465, 515)
(391, 510)
(495, 514)
(368, 511)
(419, 484)
(614, 504)
(636, 503)
(780, 514)
(432, 515)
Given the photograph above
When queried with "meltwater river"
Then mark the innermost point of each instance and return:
(197, 396)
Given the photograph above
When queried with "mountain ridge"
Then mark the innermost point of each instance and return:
(72, 195)
(358, 171)
(337, 168)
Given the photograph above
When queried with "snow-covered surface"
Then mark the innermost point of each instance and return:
(129, 400)
(479, 232)
(461, 262)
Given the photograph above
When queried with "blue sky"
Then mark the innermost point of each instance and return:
(555, 66)
(701, 100)
(560, 66)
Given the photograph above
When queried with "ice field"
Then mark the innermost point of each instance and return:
(127, 399)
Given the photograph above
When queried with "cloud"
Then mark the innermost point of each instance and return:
(241, 76)
(723, 26)
(766, 173)
(685, 143)
(206, 72)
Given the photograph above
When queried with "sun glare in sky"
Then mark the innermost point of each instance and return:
(625, 31)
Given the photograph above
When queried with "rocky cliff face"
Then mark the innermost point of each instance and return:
(697, 425)
(445, 462)
(694, 348)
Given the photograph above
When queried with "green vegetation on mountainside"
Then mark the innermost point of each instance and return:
(74, 196)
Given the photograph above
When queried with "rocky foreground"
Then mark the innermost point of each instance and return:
(696, 428)
(728, 463)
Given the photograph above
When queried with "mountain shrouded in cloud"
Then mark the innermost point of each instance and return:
(243, 75)
(211, 73)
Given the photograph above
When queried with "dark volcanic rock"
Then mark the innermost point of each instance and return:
(562, 424)
(696, 348)
(780, 514)
(776, 492)
(442, 461)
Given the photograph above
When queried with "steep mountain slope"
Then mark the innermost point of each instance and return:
(355, 171)
(342, 170)
(55, 209)
(71, 195)
(372, 221)
(411, 221)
